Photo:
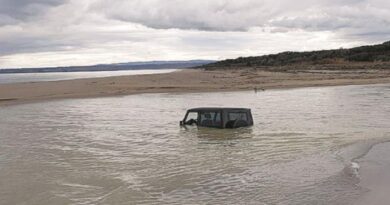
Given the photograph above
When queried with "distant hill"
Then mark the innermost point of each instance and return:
(373, 53)
(114, 67)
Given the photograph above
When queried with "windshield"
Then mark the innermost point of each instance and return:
(191, 118)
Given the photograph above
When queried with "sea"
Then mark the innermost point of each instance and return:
(56, 76)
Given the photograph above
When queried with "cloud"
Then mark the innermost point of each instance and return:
(74, 32)
(362, 19)
(13, 11)
(217, 15)
(350, 17)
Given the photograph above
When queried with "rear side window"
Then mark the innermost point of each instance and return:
(237, 116)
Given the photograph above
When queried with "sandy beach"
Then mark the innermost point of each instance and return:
(189, 80)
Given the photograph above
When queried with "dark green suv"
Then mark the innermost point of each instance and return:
(218, 117)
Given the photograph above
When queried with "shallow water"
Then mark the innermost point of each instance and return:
(375, 175)
(55, 76)
(130, 150)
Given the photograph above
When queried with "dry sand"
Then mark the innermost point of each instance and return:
(189, 80)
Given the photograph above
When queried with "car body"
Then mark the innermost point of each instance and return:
(218, 117)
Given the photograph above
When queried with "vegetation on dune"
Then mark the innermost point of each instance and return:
(373, 53)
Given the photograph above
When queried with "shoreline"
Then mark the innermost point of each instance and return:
(185, 81)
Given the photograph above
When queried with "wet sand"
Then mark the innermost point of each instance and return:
(190, 80)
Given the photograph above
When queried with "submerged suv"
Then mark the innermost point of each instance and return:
(218, 117)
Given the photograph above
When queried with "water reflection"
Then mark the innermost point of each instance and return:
(215, 134)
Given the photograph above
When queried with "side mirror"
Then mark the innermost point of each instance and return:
(181, 123)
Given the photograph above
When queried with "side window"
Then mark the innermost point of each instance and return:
(210, 119)
(218, 119)
(237, 116)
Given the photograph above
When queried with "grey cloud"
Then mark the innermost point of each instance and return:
(37, 26)
(26, 44)
(220, 15)
(347, 17)
(13, 11)
(360, 20)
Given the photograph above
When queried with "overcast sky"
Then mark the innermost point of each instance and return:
(37, 33)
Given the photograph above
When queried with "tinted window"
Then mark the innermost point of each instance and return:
(237, 116)
(210, 119)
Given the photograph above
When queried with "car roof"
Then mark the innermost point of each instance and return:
(216, 109)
